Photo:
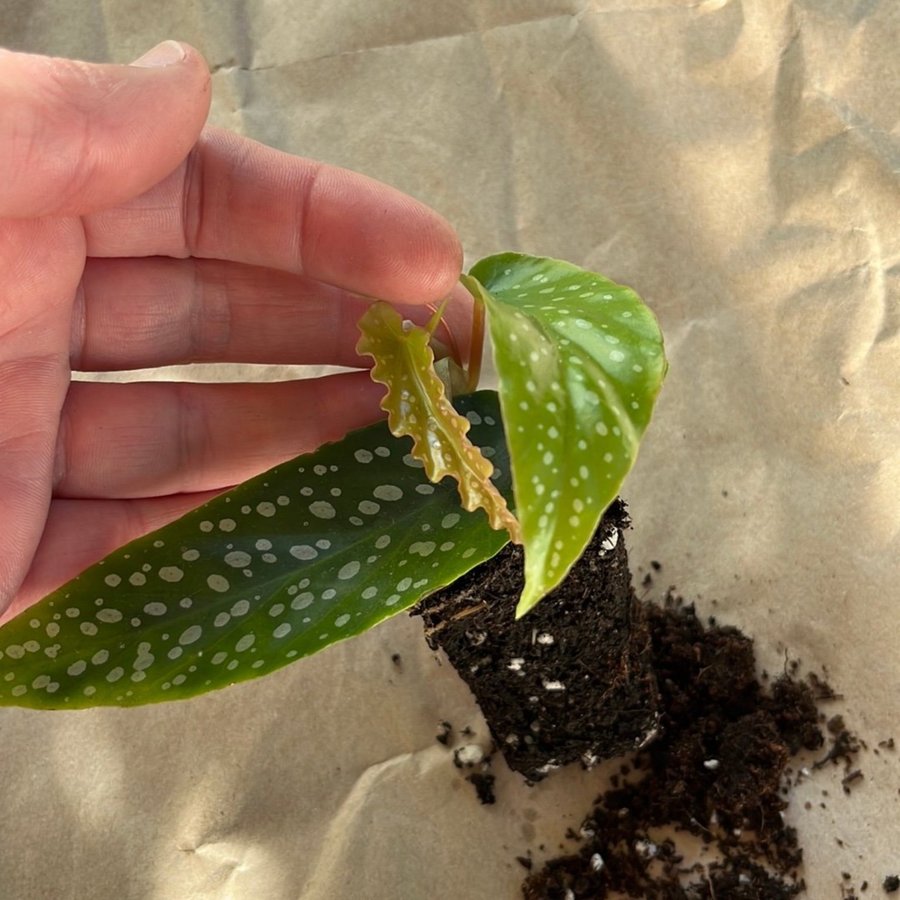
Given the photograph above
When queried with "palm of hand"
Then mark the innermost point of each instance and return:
(137, 253)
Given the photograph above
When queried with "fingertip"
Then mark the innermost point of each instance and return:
(167, 53)
(183, 61)
(429, 257)
(421, 272)
(442, 257)
(367, 237)
(180, 56)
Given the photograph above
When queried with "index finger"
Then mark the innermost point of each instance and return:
(235, 199)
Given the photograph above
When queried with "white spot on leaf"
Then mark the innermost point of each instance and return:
(303, 552)
(322, 509)
(171, 574)
(110, 616)
(218, 583)
(388, 492)
(190, 635)
(238, 559)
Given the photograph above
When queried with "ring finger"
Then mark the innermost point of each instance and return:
(141, 313)
(151, 439)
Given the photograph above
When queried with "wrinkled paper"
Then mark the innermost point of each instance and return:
(737, 164)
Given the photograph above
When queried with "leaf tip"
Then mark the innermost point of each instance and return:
(529, 598)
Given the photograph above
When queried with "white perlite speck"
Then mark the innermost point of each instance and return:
(711, 764)
(468, 755)
(553, 685)
(596, 862)
(516, 664)
(609, 543)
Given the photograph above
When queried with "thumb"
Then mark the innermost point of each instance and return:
(76, 137)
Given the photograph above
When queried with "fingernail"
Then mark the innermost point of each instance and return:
(168, 53)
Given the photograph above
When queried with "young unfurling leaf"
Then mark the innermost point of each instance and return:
(417, 406)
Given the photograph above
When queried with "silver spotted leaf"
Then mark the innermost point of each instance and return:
(311, 552)
(580, 362)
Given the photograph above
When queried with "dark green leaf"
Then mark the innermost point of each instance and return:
(314, 551)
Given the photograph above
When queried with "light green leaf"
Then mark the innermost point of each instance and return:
(417, 407)
(314, 551)
(580, 362)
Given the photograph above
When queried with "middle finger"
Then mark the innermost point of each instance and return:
(143, 313)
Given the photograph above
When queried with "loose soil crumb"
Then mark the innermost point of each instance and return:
(444, 731)
(484, 786)
(718, 771)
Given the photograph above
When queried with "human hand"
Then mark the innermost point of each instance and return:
(132, 237)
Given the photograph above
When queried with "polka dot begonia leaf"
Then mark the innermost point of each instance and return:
(316, 550)
(580, 362)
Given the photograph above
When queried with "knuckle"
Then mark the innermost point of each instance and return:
(210, 314)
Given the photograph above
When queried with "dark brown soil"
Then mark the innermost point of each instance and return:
(572, 679)
(717, 771)
(591, 674)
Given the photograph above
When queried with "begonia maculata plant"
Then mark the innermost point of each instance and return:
(327, 545)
